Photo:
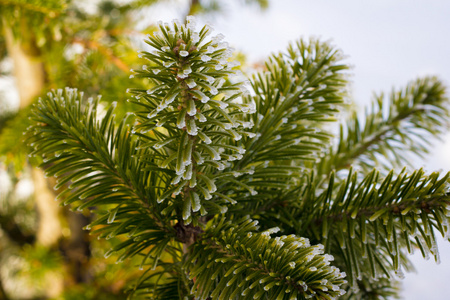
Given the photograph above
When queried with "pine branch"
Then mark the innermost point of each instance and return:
(391, 129)
(294, 98)
(378, 219)
(368, 289)
(169, 283)
(285, 267)
(299, 91)
(83, 153)
(199, 113)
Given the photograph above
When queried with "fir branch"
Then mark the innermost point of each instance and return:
(98, 164)
(200, 115)
(299, 90)
(66, 130)
(168, 283)
(378, 218)
(368, 289)
(403, 122)
(284, 267)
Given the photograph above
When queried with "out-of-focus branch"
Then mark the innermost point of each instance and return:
(90, 44)
(31, 7)
(14, 232)
(194, 7)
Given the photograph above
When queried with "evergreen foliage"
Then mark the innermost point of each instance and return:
(183, 181)
(90, 45)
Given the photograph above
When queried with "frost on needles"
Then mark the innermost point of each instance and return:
(231, 195)
(202, 116)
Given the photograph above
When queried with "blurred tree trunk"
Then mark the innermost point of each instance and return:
(3, 295)
(29, 75)
(29, 72)
(49, 226)
(28, 67)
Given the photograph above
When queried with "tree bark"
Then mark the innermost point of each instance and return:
(30, 81)
(49, 226)
(76, 249)
(3, 295)
(28, 67)
(30, 78)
